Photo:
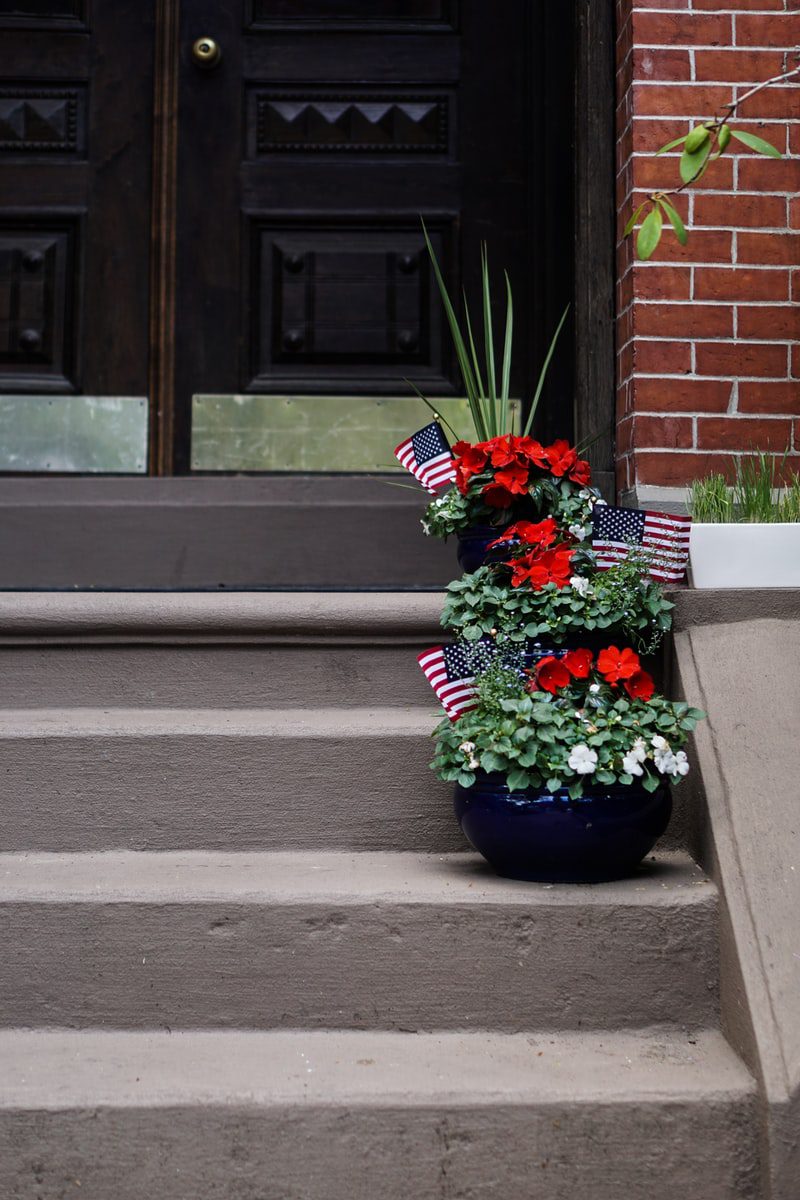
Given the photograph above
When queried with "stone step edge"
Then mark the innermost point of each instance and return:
(286, 618)
(324, 722)
(65, 1069)
(329, 877)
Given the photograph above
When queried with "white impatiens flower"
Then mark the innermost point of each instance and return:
(468, 748)
(582, 760)
(426, 529)
(638, 750)
(594, 688)
(578, 531)
(659, 743)
(681, 763)
(632, 765)
(579, 585)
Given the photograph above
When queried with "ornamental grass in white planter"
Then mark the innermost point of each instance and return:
(747, 535)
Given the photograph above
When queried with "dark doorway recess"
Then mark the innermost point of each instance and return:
(309, 153)
(250, 228)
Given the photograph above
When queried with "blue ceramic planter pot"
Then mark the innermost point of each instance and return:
(545, 837)
(473, 547)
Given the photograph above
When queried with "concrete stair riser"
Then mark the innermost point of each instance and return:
(355, 1116)
(229, 677)
(420, 943)
(216, 779)
(165, 779)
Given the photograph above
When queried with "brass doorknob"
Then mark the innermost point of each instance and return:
(206, 52)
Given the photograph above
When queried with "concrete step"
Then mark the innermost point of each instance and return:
(245, 650)
(239, 779)
(359, 941)
(352, 1116)
(161, 779)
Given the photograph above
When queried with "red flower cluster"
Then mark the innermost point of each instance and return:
(529, 533)
(540, 567)
(511, 459)
(623, 666)
(615, 666)
(553, 673)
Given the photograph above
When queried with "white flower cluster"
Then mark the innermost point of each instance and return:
(580, 585)
(468, 749)
(632, 762)
(581, 532)
(583, 760)
(667, 761)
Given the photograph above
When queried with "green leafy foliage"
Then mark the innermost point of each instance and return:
(621, 601)
(562, 499)
(762, 491)
(704, 143)
(530, 737)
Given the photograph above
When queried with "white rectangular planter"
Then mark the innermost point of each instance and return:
(745, 556)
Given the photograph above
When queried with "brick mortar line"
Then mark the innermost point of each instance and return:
(718, 266)
(723, 304)
(713, 416)
(719, 379)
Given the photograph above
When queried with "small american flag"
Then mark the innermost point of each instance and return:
(426, 454)
(448, 671)
(664, 538)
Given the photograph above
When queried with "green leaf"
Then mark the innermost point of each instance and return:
(757, 143)
(492, 762)
(696, 139)
(671, 145)
(632, 223)
(650, 782)
(466, 779)
(543, 373)
(605, 777)
(692, 165)
(649, 234)
(505, 381)
(553, 784)
(518, 780)
(675, 221)
(576, 789)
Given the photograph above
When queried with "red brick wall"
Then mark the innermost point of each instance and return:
(708, 360)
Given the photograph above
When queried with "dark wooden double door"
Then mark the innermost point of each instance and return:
(170, 228)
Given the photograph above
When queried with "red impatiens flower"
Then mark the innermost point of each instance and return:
(578, 663)
(581, 473)
(551, 674)
(539, 568)
(514, 479)
(532, 450)
(614, 664)
(530, 533)
(496, 496)
(562, 459)
(640, 686)
(470, 460)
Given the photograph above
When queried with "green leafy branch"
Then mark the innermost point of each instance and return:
(702, 145)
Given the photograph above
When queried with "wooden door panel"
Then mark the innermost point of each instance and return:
(343, 303)
(335, 127)
(38, 278)
(75, 163)
(394, 15)
(43, 14)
